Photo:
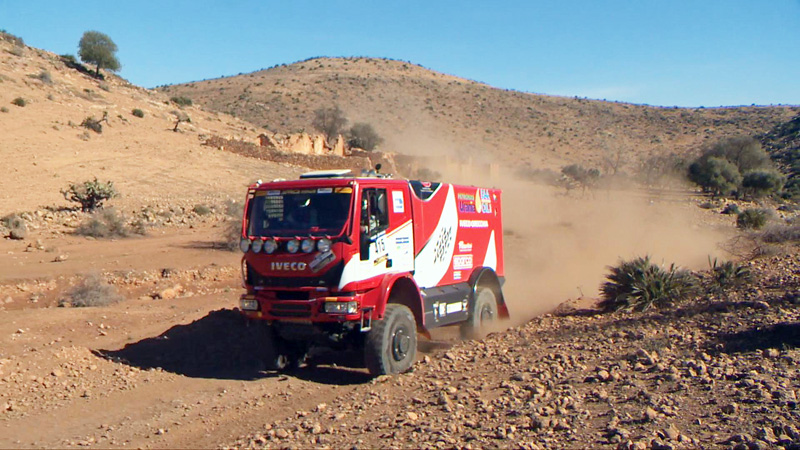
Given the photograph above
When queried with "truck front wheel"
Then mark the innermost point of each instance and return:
(483, 312)
(391, 344)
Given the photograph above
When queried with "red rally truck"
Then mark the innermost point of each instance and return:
(367, 263)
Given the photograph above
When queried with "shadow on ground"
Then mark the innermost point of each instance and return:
(780, 336)
(220, 345)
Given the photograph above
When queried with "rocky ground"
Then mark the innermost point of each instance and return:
(718, 371)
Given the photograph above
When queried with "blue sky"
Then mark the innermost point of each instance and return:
(665, 52)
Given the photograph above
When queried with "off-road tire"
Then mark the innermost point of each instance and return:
(391, 344)
(483, 313)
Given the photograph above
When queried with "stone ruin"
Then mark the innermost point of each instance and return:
(303, 143)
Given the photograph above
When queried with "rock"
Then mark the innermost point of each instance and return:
(730, 409)
(281, 433)
(650, 414)
(672, 433)
(169, 293)
(412, 416)
(18, 233)
(61, 258)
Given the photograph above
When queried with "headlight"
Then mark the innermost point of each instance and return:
(307, 246)
(292, 246)
(257, 245)
(248, 304)
(323, 245)
(244, 245)
(341, 307)
(270, 246)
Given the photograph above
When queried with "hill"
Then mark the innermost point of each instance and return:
(422, 112)
(45, 147)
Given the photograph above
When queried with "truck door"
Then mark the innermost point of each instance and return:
(385, 228)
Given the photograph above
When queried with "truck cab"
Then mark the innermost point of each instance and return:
(368, 263)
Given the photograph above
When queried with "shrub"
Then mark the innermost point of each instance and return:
(362, 135)
(744, 152)
(580, 175)
(92, 291)
(715, 175)
(19, 101)
(638, 285)
(201, 210)
(3, 109)
(105, 223)
(16, 40)
(752, 218)
(16, 226)
(44, 76)
(728, 274)
(92, 124)
(138, 113)
(762, 182)
(329, 121)
(181, 101)
(90, 194)
(780, 233)
(731, 208)
(232, 231)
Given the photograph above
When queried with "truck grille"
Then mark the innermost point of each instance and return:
(291, 309)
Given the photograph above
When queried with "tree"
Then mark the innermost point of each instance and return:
(329, 121)
(743, 151)
(98, 49)
(716, 175)
(362, 135)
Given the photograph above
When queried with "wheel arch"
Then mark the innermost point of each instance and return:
(403, 290)
(487, 277)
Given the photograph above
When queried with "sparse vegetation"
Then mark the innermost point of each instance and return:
(638, 285)
(90, 194)
(180, 116)
(780, 233)
(727, 275)
(98, 49)
(104, 223)
(19, 101)
(201, 210)
(181, 101)
(752, 218)
(91, 291)
(3, 109)
(44, 76)
(15, 225)
(16, 40)
(232, 231)
(138, 113)
(92, 124)
(329, 121)
(363, 135)
(731, 208)
(736, 166)
(577, 175)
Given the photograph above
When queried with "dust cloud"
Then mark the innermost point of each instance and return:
(558, 245)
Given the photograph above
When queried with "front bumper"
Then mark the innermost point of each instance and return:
(339, 309)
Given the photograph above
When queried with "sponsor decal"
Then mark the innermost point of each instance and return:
(344, 190)
(453, 308)
(402, 240)
(273, 192)
(456, 274)
(442, 244)
(466, 223)
(485, 201)
(466, 203)
(321, 260)
(462, 262)
(287, 266)
(398, 203)
(324, 190)
(380, 260)
(464, 247)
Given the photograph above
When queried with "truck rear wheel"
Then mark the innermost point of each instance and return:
(483, 313)
(391, 344)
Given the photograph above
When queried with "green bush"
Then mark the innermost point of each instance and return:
(92, 124)
(762, 182)
(201, 210)
(138, 113)
(329, 121)
(638, 285)
(98, 49)
(105, 223)
(744, 152)
(362, 135)
(716, 175)
(92, 291)
(16, 226)
(3, 109)
(752, 218)
(19, 101)
(728, 274)
(731, 208)
(44, 76)
(90, 194)
(181, 101)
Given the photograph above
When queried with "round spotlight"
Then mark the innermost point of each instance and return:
(292, 246)
(257, 245)
(323, 245)
(307, 246)
(244, 245)
(270, 246)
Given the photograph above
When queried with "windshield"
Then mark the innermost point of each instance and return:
(299, 212)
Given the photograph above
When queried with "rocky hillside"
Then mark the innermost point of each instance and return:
(719, 371)
(420, 111)
(44, 103)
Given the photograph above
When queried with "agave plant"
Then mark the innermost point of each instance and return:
(728, 274)
(638, 285)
